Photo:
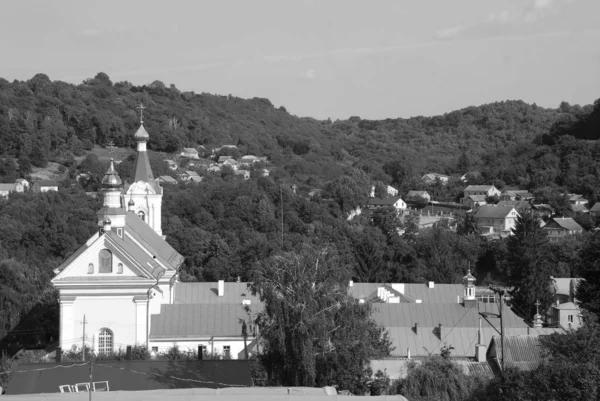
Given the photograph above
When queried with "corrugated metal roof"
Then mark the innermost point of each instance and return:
(565, 223)
(522, 352)
(193, 321)
(206, 293)
(383, 201)
(440, 293)
(493, 212)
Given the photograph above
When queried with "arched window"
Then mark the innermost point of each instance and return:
(142, 215)
(105, 261)
(105, 341)
(120, 268)
(91, 268)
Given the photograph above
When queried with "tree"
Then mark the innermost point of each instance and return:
(528, 265)
(589, 288)
(314, 332)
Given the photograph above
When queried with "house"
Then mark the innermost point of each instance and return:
(564, 311)
(474, 201)
(520, 205)
(127, 375)
(486, 190)
(172, 165)
(595, 210)
(432, 178)
(417, 195)
(18, 186)
(223, 159)
(265, 172)
(515, 195)
(231, 163)
(521, 352)
(496, 219)
(214, 168)
(395, 202)
(45, 186)
(166, 179)
(243, 173)
(249, 160)
(560, 227)
(575, 199)
(542, 210)
(190, 153)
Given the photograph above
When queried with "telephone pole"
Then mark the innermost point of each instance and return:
(83, 341)
(500, 292)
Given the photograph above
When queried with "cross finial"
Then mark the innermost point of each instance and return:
(537, 307)
(141, 107)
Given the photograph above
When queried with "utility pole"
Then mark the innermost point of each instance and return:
(83, 341)
(500, 292)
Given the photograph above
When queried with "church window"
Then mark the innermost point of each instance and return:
(120, 268)
(142, 215)
(91, 268)
(105, 341)
(120, 232)
(105, 261)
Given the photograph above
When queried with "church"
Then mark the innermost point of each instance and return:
(121, 287)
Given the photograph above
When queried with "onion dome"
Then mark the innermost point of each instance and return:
(131, 203)
(111, 178)
(141, 134)
(469, 279)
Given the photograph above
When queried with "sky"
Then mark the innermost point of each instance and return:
(324, 59)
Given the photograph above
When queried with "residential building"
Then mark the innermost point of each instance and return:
(520, 205)
(560, 227)
(516, 195)
(542, 210)
(396, 202)
(416, 195)
(564, 311)
(167, 179)
(243, 173)
(172, 165)
(389, 190)
(485, 190)
(223, 159)
(595, 210)
(249, 160)
(190, 153)
(432, 178)
(45, 186)
(231, 163)
(496, 219)
(19, 185)
(474, 201)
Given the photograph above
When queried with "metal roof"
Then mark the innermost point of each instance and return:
(493, 212)
(521, 352)
(206, 293)
(440, 293)
(564, 286)
(479, 188)
(185, 321)
(383, 201)
(566, 223)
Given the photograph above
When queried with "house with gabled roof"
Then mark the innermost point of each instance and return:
(167, 179)
(45, 186)
(396, 202)
(19, 185)
(432, 178)
(474, 201)
(499, 220)
(560, 227)
(417, 195)
(485, 190)
(190, 153)
(516, 195)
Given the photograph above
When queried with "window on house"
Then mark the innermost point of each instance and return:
(226, 351)
(105, 341)
(570, 318)
(91, 268)
(142, 215)
(120, 268)
(154, 349)
(105, 261)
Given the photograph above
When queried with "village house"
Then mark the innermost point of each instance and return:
(172, 165)
(564, 311)
(214, 168)
(520, 205)
(578, 203)
(474, 201)
(417, 195)
(223, 159)
(231, 163)
(45, 186)
(496, 219)
(248, 160)
(242, 173)
(190, 153)
(432, 178)
(542, 210)
(560, 227)
(19, 185)
(391, 191)
(396, 202)
(167, 179)
(485, 190)
(516, 195)
(595, 210)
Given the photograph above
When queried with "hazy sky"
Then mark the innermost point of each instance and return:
(374, 59)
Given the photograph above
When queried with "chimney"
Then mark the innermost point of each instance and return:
(408, 353)
(480, 352)
(221, 288)
(351, 283)
(430, 284)
(416, 328)
(440, 330)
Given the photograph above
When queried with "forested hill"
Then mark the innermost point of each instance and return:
(44, 120)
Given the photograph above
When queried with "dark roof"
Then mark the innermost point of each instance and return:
(131, 375)
(521, 352)
(566, 223)
(493, 212)
(383, 201)
(199, 321)
(517, 204)
(142, 170)
(596, 207)
(479, 188)
(46, 183)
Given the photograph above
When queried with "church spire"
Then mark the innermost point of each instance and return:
(142, 170)
(111, 187)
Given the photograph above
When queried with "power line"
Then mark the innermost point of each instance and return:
(453, 327)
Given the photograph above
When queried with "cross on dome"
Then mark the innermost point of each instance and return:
(141, 107)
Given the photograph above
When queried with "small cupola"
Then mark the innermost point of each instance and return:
(111, 179)
(468, 282)
(106, 223)
(130, 205)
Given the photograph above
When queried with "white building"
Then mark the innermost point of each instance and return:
(120, 288)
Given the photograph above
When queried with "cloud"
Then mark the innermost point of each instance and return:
(91, 32)
(310, 74)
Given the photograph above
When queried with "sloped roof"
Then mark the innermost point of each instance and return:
(566, 223)
(144, 234)
(517, 204)
(142, 170)
(579, 208)
(190, 150)
(564, 285)
(199, 321)
(7, 187)
(168, 178)
(131, 375)
(416, 193)
(479, 188)
(383, 201)
(46, 183)
(441, 293)
(567, 306)
(206, 293)
(141, 134)
(493, 212)
(521, 352)
(596, 207)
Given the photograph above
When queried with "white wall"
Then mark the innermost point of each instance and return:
(212, 346)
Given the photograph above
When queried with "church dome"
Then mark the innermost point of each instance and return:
(141, 134)
(106, 221)
(131, 203)
(111, 178)
(468, 279)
